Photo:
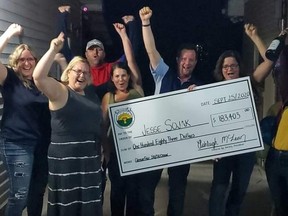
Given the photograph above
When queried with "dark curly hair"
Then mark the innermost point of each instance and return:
(218, 75)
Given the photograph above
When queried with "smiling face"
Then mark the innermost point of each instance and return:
(79, 76)
(26, 64)
(120, 78)
(186, 63)
(230, 68)
(23, 60)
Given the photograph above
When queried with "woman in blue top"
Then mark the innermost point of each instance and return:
(25, 129)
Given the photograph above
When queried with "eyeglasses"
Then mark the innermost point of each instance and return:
(79, 72)
(22, 60)
(232, 66)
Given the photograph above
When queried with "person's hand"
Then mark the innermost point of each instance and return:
(217, 159)
(14, 29)
(145, 14)
(250, 30)
(120, 28)
(285, 31)
(59, 57)
(127, 18)
(57, 43)
(192, 87)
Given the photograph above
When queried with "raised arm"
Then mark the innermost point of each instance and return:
(148, 37)
(135, 76)
(13, 30)
(264, 69)
(61, 61)
(54, 90)
(252, 32)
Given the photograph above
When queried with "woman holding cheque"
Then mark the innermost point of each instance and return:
(240, 166)
(125, 84)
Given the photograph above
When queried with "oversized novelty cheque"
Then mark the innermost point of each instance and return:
(182, 127)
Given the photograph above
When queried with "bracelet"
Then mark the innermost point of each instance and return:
(146, 25)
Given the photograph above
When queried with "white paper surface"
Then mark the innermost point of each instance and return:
(182, 127)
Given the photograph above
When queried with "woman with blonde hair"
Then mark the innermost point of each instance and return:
(74, 155)
(25, 129)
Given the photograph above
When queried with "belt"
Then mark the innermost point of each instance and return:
(277, 152)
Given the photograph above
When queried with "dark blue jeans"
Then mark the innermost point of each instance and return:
(277, 176)
(240, 167)
(177, 187)
(27, 170)
(18, 160)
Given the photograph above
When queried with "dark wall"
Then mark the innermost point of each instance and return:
(174, 22)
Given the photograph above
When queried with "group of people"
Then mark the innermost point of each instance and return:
(60, 130)
(229, 66)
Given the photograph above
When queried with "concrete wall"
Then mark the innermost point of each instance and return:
(265, 14)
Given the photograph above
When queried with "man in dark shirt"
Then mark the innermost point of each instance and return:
(167, 80)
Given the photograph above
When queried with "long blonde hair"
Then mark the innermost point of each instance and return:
(64, 77)
(14, 59)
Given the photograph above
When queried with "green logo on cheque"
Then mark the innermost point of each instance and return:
(124, 117)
